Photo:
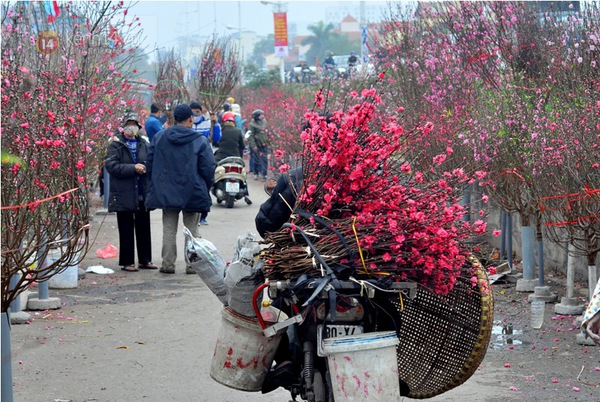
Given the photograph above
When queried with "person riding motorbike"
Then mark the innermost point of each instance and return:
(232, 139)
(329, 64)
(352, 60)
(231, 143)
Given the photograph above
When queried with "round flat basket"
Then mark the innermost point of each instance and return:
(443, 339)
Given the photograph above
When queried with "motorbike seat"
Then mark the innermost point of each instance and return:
(232, 159)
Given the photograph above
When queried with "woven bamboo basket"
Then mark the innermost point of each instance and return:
(443, 339)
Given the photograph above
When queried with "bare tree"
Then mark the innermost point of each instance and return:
(170, 83)
(219, 68)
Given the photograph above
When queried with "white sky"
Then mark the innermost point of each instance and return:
(164, 21)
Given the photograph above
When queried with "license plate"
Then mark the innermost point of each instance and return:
(232, 187)
(335, 331)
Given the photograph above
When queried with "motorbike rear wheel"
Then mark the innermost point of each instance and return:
(230, 201)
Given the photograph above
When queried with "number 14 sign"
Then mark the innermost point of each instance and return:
(47, 42)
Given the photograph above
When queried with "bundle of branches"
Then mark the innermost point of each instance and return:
(170, 84)
(364, 209)
(219, 68)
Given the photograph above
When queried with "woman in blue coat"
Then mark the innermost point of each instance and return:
(126, 164)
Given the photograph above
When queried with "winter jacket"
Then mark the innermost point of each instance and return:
(258, 138)
(181, 170)
(203, 127)
(127, 188)
(153, 126)
(231, 144)
(274, 212)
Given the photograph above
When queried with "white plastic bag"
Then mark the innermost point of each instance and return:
(203, 256)
(243, 275)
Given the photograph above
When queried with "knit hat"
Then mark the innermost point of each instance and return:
(182, 113)
(131, 116)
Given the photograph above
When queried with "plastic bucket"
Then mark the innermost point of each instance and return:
(67, 279)
(364, 367)
(243, 355)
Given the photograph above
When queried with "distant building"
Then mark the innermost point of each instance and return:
(338, 11)
(350, 27)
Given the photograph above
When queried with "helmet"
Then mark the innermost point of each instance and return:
(230, 100)
(330, 53)
(228, 116)
(352, 52)
(257, 113)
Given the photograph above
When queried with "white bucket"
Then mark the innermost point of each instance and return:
(67, 279)
(364, 367)
(243, 355)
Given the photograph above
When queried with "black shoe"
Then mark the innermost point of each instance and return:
(281, 376)
(248, 201)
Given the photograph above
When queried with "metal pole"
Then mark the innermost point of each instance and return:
(503, 234)
(7, 389)
(527, 241)
(541, 261)
(43, 286)
(240, 30)
(106, 187)
(467, 203)
(509, 250)
(15, 305)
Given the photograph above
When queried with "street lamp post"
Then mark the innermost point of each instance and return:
(279, 7)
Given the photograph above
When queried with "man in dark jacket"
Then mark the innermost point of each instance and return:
(153, 124)
(181, 170)
(277, 210)
(125, 162)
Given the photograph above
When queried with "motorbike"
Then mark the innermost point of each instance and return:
(304, 75)
(311, 310)
(230, 181)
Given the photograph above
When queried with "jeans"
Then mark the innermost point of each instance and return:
(170, 222)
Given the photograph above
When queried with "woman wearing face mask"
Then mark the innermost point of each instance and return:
(126, 164)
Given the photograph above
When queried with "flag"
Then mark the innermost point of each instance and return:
(52, 9)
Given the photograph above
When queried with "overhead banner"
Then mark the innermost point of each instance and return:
(281, 34)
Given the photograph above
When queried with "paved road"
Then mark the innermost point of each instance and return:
(150, 337)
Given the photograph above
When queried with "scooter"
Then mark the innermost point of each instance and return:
(230, 181)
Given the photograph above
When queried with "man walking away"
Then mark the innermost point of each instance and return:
(153, 124)
(181, 169)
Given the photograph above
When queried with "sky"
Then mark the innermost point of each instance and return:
(164, 21)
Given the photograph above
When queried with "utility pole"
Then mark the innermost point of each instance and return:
(362, 31)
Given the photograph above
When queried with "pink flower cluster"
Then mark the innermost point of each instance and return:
(356, 177)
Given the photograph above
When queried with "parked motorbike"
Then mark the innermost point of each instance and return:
(230, 181)
(321, 308)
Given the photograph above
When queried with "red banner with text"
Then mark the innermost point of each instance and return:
(281, 34)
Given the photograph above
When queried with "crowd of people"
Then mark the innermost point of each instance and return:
(172, 167)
